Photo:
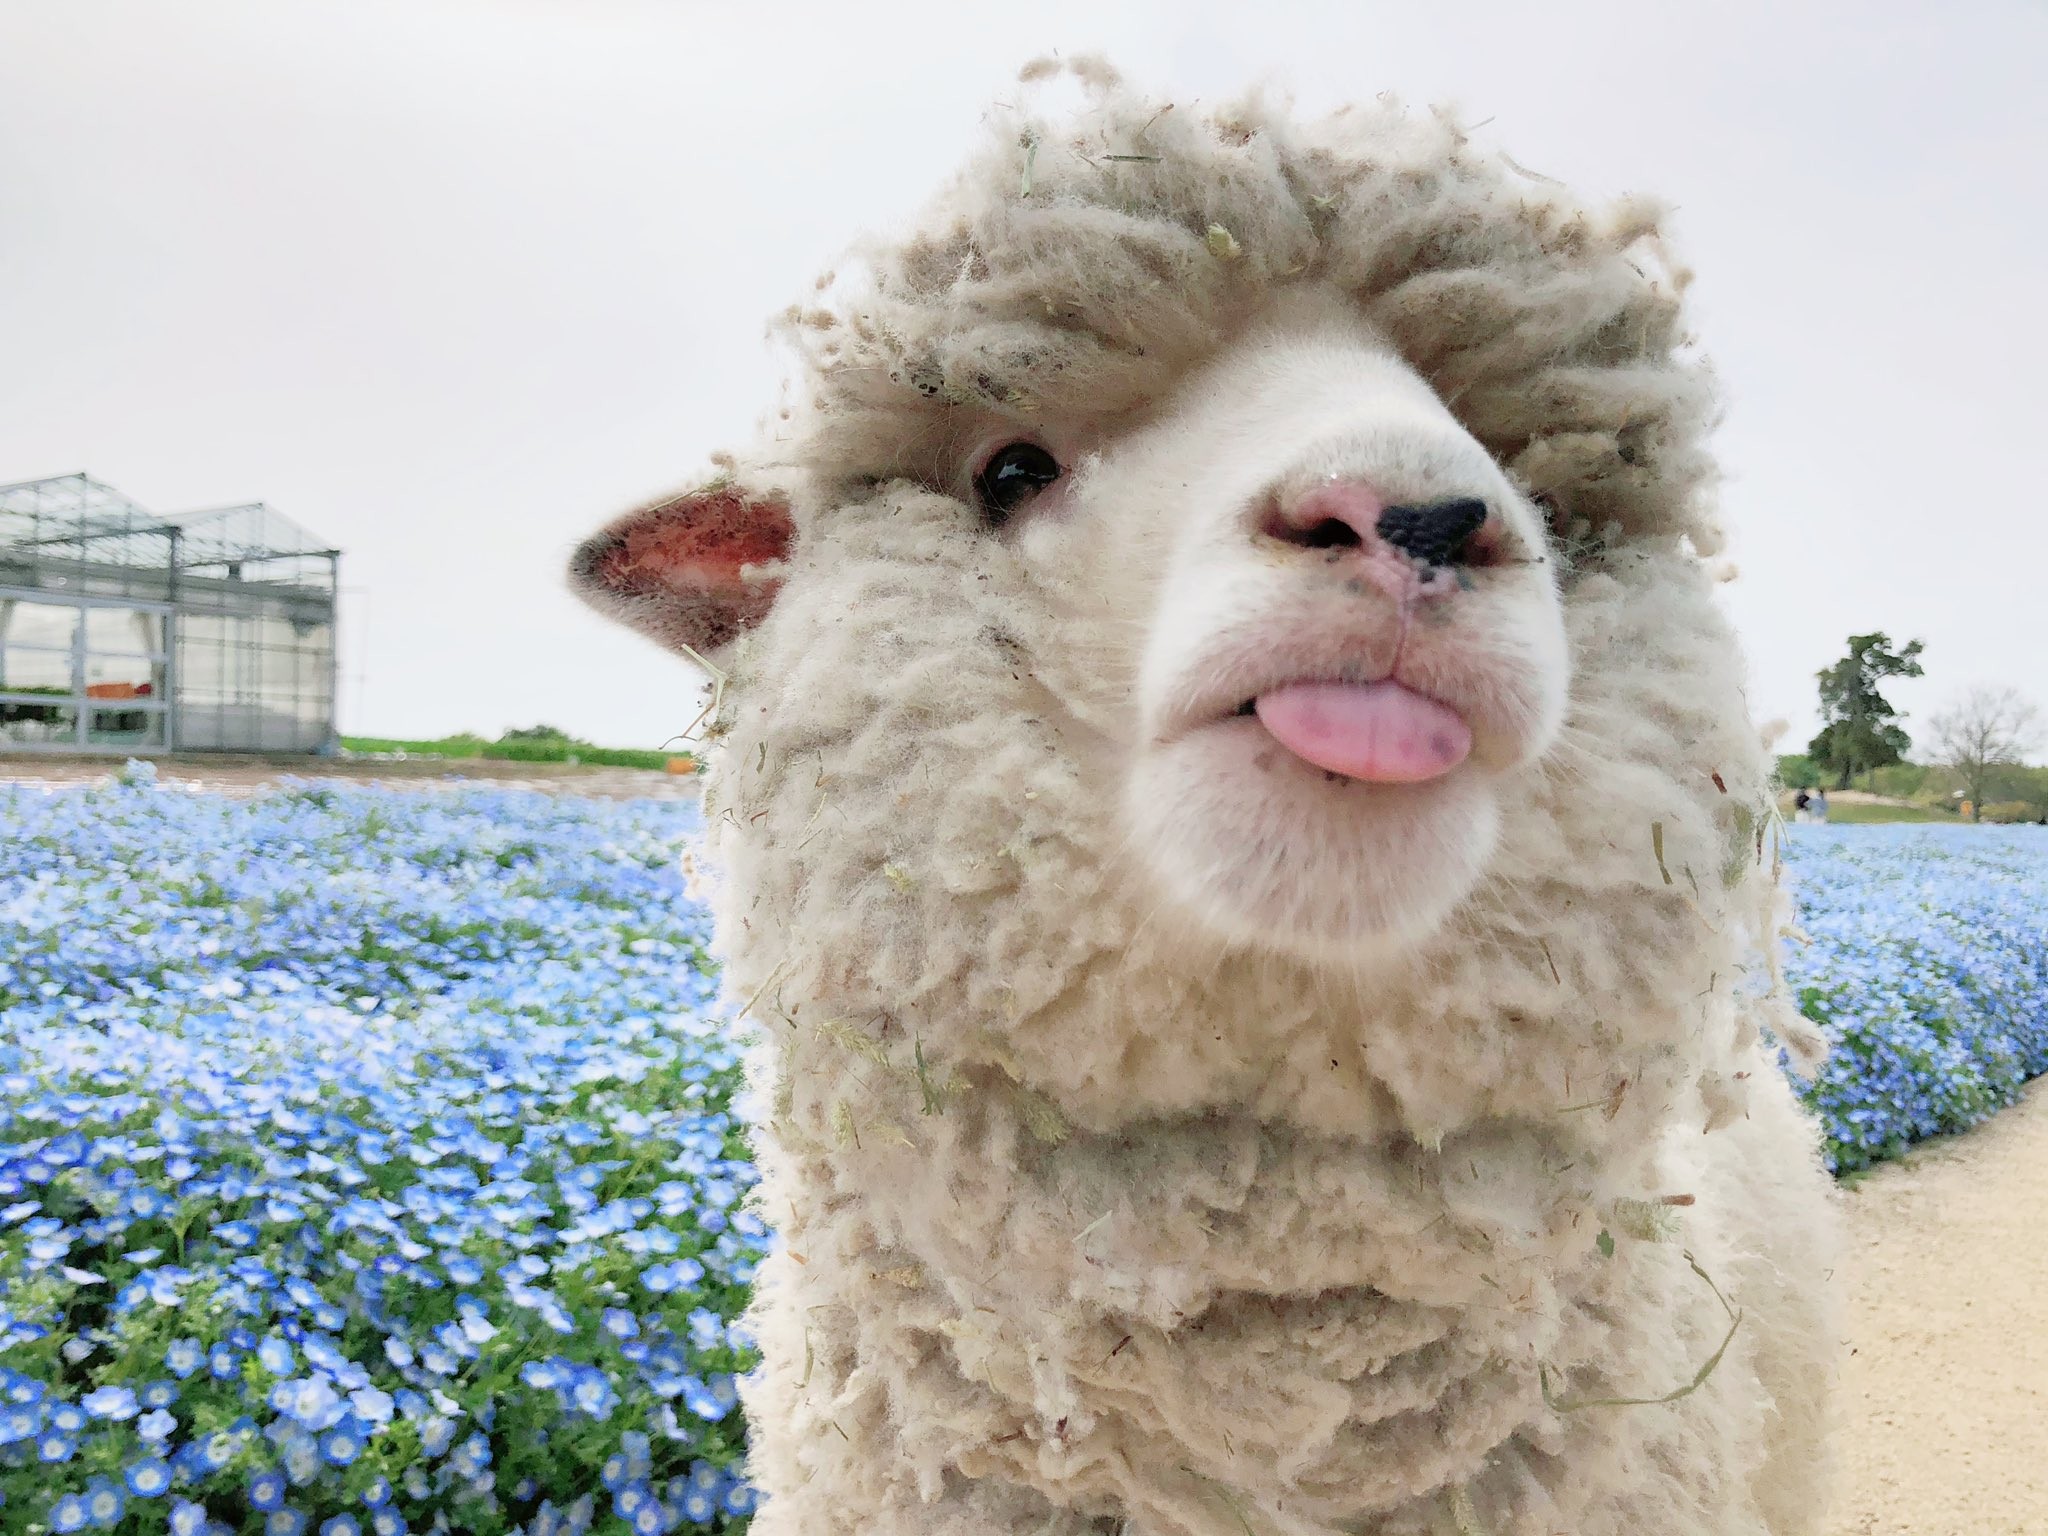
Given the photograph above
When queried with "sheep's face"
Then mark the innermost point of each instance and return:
(1351, 632)
(1289, 627)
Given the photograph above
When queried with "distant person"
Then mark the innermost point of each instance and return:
(1801, 803)
(1819, 806)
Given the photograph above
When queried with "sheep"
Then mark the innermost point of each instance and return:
(1238, 832)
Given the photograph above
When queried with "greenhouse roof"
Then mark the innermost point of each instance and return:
(75, 517)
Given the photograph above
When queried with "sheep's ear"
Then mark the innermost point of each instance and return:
(683, 570)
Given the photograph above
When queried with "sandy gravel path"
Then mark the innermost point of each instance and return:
(233, 776)
(1945, 1402)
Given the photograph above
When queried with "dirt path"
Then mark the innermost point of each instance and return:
(1945, 1403)
(232, 775)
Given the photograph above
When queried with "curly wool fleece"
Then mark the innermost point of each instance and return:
(1091, 1222)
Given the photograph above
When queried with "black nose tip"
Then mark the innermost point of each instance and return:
(1433, 534)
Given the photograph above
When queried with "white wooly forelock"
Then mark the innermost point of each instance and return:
(1092, 1217)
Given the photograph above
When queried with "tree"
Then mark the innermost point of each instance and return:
(1797, 771)
(541, 733)
(1985, 730)
(1861, 729)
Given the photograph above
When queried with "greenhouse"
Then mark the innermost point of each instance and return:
(125, 631)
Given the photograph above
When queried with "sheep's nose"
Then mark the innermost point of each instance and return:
(1346, 514)
(1435, 533)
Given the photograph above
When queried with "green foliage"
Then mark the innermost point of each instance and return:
(1906, 781)
(542, 733)
(1852, 813)
(2012, 785)
(516, 747)
(1798, 771)
(461, 744)
(2013, 811)
(569, 752)
(1862, 729)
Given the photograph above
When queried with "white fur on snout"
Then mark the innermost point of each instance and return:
(1262, 847)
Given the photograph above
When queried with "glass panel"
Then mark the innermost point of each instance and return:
(281, 671)
(125, 728)
(201, 629)
(128, 631)
(26, 725)
(123, 677)
(202, 661)
(200, 729)
(46, 624)
(34, 671)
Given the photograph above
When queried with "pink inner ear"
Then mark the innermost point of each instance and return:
(698, 545)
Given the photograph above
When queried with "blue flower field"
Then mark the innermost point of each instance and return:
(368, 1165)
(1928, 968)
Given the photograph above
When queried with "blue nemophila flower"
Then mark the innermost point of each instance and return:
(55, 1445)
(386, 1521)
(117, 1403)
(462, 1269)
(341, 1446)
(341, 1525)
(266, 1490)
(105, 1503)
(68, 1514)
(630, 1499)
(284, 1522)
(149, 1479)
(183, 1357)
(158, 1394)
(188, 1518)
(699, 1505)
(300, 1453)
(216, 1450)
(704, 1475)
(593, 1393)
(741, 1500)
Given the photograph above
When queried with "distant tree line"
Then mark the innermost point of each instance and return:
(1979, 744)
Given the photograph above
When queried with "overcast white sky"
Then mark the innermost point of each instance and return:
(450, 281)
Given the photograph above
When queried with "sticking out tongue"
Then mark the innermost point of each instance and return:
(1379, 732)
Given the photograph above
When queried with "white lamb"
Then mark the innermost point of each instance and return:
(1238, 823)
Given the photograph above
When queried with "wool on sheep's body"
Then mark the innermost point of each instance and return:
(1098, 1214)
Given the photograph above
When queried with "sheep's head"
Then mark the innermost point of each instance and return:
(1232, 464)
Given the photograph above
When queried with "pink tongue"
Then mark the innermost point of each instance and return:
(1380, 732)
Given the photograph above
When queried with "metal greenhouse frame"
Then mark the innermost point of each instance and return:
(122, 631)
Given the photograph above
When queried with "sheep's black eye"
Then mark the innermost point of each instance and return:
(1013, 475)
